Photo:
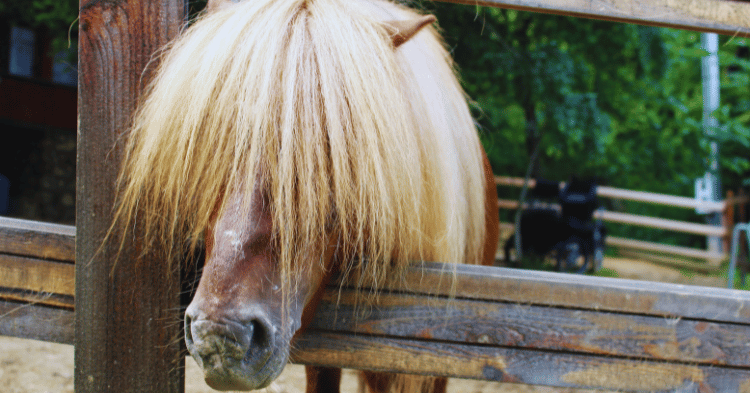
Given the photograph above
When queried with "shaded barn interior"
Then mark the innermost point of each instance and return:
(38, 99)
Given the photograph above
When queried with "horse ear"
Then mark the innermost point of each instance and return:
(403, 30)
(215, 5)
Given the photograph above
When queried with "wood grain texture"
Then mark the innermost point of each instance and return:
(537, 328)
(36, 322)
(577, 291)
(45, 299)
(729, 17)
(37, 239)
(559, 369)
(127, 313)
(29, 274)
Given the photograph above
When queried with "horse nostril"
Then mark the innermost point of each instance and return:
(259, 338)
(188, 331)
(259, 344)
(250, 340)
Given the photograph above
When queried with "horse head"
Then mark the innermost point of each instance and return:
(246, 311)
(240, 323)
(300, 138)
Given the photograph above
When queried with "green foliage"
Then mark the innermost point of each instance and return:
(536, 82)
(58, 16)
(615, 101)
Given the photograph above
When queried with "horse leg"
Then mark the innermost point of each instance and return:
(439, 385)
(491, 217)
(323, 379)
(378, 382)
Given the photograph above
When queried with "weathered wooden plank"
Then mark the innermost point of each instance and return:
(37, 275)
(576, 291)
(729, 17)
(36, 322)
(502, 364)
(45, 299)
(37, 239)
(127, 313)
(537, 328)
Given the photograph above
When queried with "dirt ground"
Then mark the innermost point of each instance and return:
(28, 366)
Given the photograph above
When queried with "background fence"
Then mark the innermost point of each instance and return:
(655, 250)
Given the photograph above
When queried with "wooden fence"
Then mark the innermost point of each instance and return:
(496, 324)
(37, 280)
(469, 322)
(652, 249)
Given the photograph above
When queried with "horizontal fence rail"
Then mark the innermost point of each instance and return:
(539, 328)
(461, 321)
(37, 280)
(630, 195)
(644, 221)
(717, 16)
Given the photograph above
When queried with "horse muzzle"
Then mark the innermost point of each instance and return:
(235, 355)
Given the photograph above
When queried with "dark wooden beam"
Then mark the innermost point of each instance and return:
(32, 321)
(730, 17)
(127, 313)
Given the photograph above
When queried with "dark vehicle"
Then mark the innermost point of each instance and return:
(561, 222)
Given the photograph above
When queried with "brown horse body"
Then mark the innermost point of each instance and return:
(303, 139)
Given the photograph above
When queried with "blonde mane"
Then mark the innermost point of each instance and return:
(309, 101)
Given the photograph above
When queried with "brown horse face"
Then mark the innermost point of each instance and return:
(238, 327)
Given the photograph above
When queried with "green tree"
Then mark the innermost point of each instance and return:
(617, 101)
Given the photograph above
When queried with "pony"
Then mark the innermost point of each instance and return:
(296, 140)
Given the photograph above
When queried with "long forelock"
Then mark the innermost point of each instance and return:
(309, 97)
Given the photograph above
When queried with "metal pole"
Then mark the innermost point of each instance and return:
(710, 77)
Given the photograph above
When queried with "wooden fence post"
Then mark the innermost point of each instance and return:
(127, 334)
